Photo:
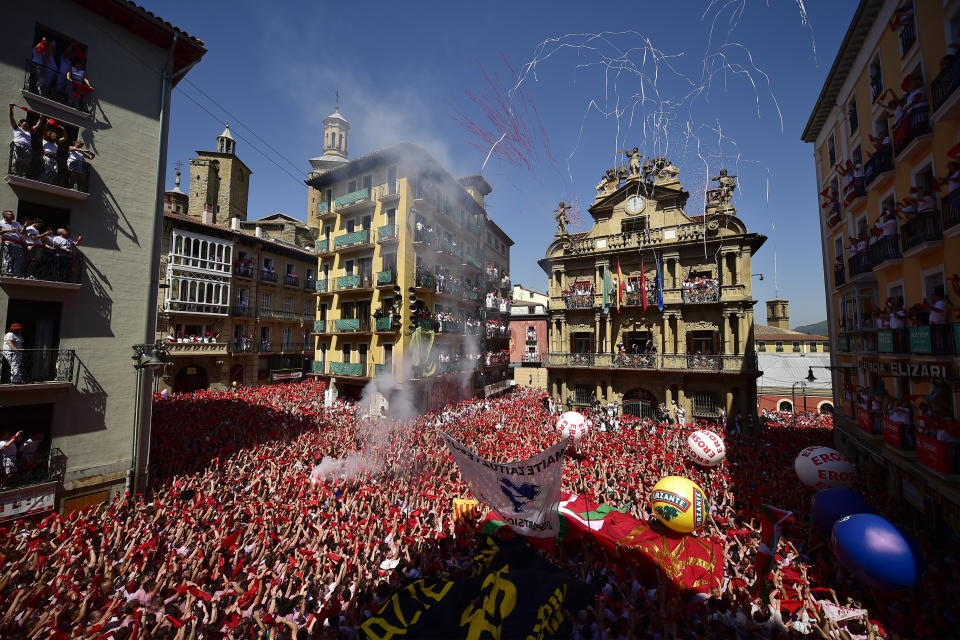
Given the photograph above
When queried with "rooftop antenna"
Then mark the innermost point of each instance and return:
(776, 288)
(338, 101)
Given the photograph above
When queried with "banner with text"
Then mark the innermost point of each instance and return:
(524, 494)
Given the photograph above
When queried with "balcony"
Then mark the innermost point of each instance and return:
(876, 86)
(293, 347)
(447, 326)
(473, 228)
(317, 366)
(892, 341)
(944, 87)
(266, 346)
(637, 240)
(47, 86)
(879, 164)
(423, 236)
(354, 199)
(450, 248)
(196, 348)
(242, 310)
(268, 276)
(196, 308)
(884, 249)
(291, 280)
(915, 125)
(385, 325)
(931, 340)
(322, 246)
(387, 233)
(950, 207)
(41, 468)
(352, 325)
(579, 301)
(674, 362)
(937, 455)
(323, 209)
(355, 281)
(387, 190)
(322, 286)
(31, 175)
(319, 326)
(870, 422)
(908, 35)
(901, 437)
(354, 239)
(386, 278)
(43, 268)
(381, 368)
(860, 264)
(532, 358)
(357, 369)
(839, 277)
(45, 368)
(286, 315)
(241, 346)
(449, 288)
(309, 284)
(471, 261)
(243, 270)
(702, 293)
(919, 230)
(424, 280)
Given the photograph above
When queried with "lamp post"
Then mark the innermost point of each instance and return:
(793, 393)
(152, 357)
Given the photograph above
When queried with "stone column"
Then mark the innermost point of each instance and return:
(598, 339)
(609, 341)
(667, 346)
(729, 404)
(681, 335)
(563, 391)
(682, 402)
(741, 333)
(728, 344)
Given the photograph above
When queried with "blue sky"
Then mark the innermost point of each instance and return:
(707, 84)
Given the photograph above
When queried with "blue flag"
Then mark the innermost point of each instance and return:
(659, 283)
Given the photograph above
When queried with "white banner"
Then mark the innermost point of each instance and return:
(28, 501)
(523, 494)
(838, 613)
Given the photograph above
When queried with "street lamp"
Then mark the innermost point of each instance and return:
(793, 393)
(152, 357)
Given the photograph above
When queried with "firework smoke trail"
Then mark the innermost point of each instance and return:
(643, 89)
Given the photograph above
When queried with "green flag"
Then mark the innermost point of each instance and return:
(606, 290)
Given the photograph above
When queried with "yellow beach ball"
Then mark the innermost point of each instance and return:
(679, 503)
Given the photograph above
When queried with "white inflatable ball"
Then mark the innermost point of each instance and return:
(706, 448)
(824, 468)
(165, 393)
(572, 425)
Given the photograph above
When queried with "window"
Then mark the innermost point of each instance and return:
(761, 346)
(932, 283)
(831, 152)
(391, 180)
(328, 196)
(350, 225)
(876, 79)
(63, 54)
(346, 353)
(779, 346)
(389, 262)
(351, 186)
(264, 334)
(264, 302)
(704, 405)
(348, 268)
(826, 347)
(796, 347)
(367, 181)
(852, 116)
(582, 394)
(813, 347)
(388, 354)
(308, 311)
(287, 334)
(288, 305)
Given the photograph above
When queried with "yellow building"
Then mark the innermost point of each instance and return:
(696, 349)
(884, 131)
(397, 234)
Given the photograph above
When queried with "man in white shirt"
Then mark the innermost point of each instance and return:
(28, 452)
(11, 232)
(33, 242)
(13, 351)
(8, 451)
(63, 246)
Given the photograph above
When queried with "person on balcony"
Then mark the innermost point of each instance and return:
(44, 67)
(11, 233)
(952, 179)
(23, 141)
(77, 157)
(13, 352)
(8, 451)
(54, 137)
(79, 83)
(926, 202)
(27, 456)
(34, 243)
(63, 248)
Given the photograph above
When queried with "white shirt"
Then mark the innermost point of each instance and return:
(63, 245)
(29, 448)
(33, 236)
(9, 448)
(6, 227)
(939, 313)
(21, 137)
(889, 227)
(12, 338)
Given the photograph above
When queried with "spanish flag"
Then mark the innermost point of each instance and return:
(621, 285)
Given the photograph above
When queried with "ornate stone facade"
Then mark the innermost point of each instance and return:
(696, 347)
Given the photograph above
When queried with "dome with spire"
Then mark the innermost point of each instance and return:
(335, 132)
(336, 115)
(225, 142)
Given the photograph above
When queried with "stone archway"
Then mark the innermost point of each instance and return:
(189, 379)
(640, 403)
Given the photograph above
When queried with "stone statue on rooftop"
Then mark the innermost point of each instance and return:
(723, 194)
(634, 156)
(560, 214)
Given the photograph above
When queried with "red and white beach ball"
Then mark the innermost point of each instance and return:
(706, 448)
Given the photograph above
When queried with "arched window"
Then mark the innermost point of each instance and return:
(341, 141)
(784, 405)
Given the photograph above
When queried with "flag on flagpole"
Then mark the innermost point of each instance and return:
(621, 285)
(659, 283)
(771, 524)
(643, 285)
(606, 290)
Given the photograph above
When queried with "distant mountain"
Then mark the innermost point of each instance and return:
(818, 328)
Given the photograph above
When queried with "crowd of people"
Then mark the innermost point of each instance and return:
(43, 150)
(701, 289)
(60, 75)
(35, 251)
(270, 514)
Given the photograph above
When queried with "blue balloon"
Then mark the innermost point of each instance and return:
(875, 552)
(829, 505)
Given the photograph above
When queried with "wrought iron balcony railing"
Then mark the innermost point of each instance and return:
(51, 84)
(950, 207)
(945, 84)
(268, 276)
(885, 248)
(880, 162)
(702, 293)
(923, 227)
(291, 280)
(355, 281)
(29, 165)
(676, 362)
(243, 270)
(860, 263)
(27, 366)
(915, 124)
(579, 301)
(36, 468)
(39, 263)
(241, 346)
(310, 284)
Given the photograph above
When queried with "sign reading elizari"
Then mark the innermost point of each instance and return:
(524, 494)
(907, 369)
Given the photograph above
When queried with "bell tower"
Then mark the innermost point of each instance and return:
(778, 313)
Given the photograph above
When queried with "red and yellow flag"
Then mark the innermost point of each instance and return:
(621, 285)
(643, 287)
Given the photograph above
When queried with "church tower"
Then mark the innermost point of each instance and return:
(219, 183)
(335, 132)
(778, 313)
